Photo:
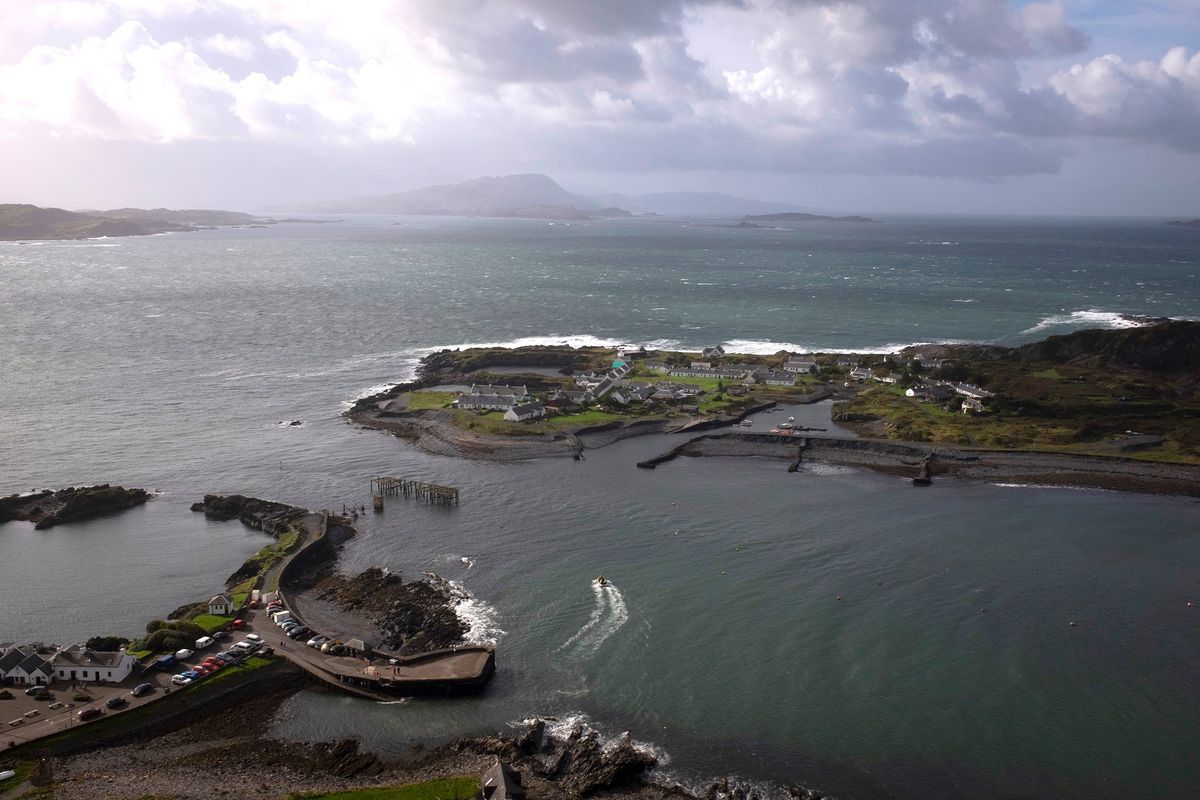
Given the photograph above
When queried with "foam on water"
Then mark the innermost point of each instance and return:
(479, 617)
(762, 348)
(1090, 318)
(568, 340)
(608, 616)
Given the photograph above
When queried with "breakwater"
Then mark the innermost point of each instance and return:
(912, 459)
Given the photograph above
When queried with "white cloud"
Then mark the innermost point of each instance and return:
(819, 84)
(231, 46)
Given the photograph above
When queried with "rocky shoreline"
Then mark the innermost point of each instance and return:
(48, 507)
(232, 746)
(975, 464)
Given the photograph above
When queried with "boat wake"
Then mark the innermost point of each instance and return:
(608, 616)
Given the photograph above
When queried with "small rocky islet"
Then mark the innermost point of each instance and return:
(50, 507)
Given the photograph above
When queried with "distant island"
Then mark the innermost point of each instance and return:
(529, 196)
(25, 222)
(536, 196)
(753, 220)
(1187, 223)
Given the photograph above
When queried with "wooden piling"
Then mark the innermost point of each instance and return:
(412, 489)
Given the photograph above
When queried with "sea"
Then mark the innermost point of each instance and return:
(831, 628)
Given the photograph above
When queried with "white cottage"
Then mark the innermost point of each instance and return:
(220, 606)
(77, 663)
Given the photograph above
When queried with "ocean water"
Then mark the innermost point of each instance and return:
(947, 668)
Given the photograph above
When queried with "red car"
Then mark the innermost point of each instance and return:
(89, 713)
(238, 624)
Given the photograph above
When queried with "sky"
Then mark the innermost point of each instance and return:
(925, 106)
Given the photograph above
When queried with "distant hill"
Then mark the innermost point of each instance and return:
(1187, 223)
(694, 204)
(526, 196)
(792, 216)
(21, 221)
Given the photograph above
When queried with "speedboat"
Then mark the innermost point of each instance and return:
(601, 580)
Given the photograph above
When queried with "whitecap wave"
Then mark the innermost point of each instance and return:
(608, 616)
(765, 348)
(1088, 318)
(480, 618)
(554, 340)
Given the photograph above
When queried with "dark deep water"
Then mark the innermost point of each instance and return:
(167, 362)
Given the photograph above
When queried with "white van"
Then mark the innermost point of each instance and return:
(204, 641)
(283, 612)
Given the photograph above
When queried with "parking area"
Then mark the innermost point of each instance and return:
(59, 707)
(24, 717)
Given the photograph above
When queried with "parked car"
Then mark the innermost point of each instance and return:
(116, 702)
(89, 713)
(253, 637)
(220, 636)
(142, 689)
(182, 679)
(317, 641)
(328, 646)
(296, 633)
(238, 624)
(204, 642)
(191, 673)
(184, 653)
(35, 690)
(226, 656)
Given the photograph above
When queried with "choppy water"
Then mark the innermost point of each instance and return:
(167, 362)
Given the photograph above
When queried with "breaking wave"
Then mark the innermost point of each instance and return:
(1090, 318)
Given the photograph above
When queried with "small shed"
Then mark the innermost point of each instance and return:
(220, 606)
(357, 647)
(501, 782)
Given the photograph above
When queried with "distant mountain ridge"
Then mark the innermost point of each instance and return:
(526, 196)
(534, 195)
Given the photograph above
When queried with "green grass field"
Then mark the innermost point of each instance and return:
(423, 400)
(211, 622)
(458, 788)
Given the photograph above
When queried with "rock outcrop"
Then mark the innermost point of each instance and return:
(265, 515)
(53, 507)
(412, 617)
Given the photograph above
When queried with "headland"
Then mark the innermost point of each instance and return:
(1101, 408)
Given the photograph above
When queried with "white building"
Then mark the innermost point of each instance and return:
(801, 365)
(486, 402)
(77, 663)
(220, 606)
(525, 412)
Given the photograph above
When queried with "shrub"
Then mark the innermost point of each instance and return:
(80, 697)
(106, 644)
(5, 694)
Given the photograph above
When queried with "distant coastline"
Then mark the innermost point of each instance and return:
(21, 222)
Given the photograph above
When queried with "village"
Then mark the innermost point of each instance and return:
(678, 383)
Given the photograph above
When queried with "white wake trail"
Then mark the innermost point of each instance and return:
(608, 615)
